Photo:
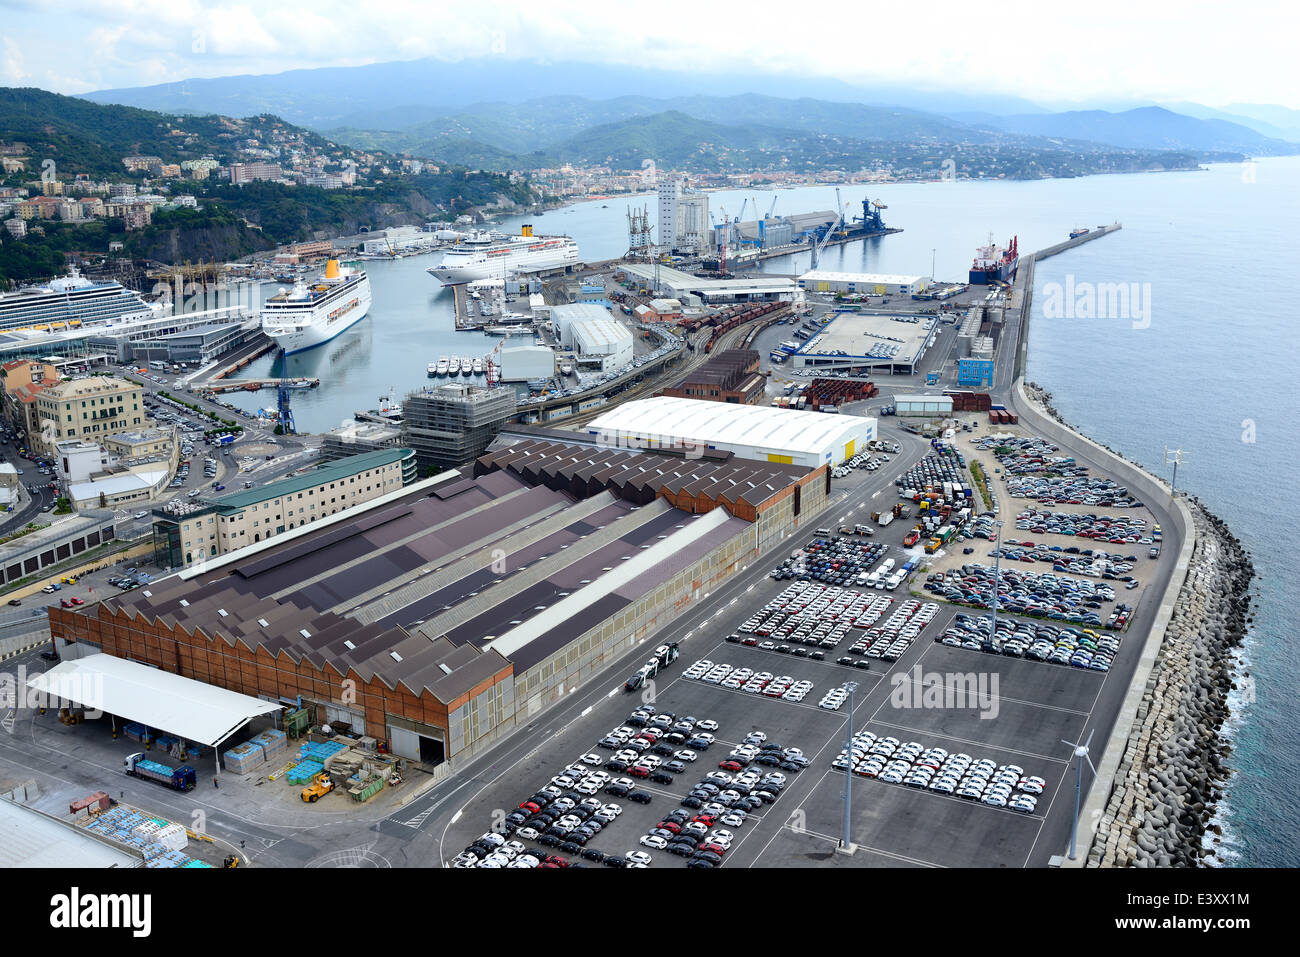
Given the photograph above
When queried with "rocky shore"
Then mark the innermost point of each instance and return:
(1173, 768)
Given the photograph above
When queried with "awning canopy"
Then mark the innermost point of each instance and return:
(157, 699)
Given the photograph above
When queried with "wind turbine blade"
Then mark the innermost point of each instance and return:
(1070, 744)
(1089, 741)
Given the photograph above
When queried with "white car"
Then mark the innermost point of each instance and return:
(653, 841)
(593, 759)
(614, 809)
(638, 857)
(708, 724)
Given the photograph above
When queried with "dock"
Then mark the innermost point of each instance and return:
(254, 385)
(1087, 237)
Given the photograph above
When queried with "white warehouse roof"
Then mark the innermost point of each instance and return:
(866, 278)
(750, 431)
(157, 699)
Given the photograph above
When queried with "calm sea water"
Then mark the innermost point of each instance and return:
(1205, 367)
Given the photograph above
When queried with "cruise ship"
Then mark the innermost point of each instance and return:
(68, 303)
(502, 257)
(313, 313)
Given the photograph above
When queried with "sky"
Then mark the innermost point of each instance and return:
(1054, 54)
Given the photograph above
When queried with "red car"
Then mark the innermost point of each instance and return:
(670, 826)
(708, 820)
(715, 848)
(530, 806)
(65, 603)
(729, 765)
(77, 601)
(637, 771)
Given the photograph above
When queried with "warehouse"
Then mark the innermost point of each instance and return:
(923, 406)
(600, 341)
(862, 283)
(867, 342)
(729, 376)
(525, 363)
(748, 431)
(682, 285)
(442, 616)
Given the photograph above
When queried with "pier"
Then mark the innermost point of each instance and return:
(254, 385)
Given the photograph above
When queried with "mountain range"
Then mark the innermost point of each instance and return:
(501, 114)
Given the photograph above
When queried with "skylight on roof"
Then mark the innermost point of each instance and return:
(264, 623)
(184, 603)
(304, 632)
(222, 612)
(395, 656)
(445, 669)
(348, 644)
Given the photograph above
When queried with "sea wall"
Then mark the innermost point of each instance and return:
(1162, 767)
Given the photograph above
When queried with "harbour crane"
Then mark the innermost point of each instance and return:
(830, 232)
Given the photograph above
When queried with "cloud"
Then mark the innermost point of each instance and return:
(1107, 49)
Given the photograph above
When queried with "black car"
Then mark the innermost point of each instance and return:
(618, 764)
(592, 854)
(663, 748)
(659, 777)
(568, 847)
(711, 856)
(618, 790)
(614, 861)
(701, 862)
(862, 663)
(734, 639)
(681, 848)
(692, 802)
(699, 744)
(817, 655)
(770, 760)
(640, 797)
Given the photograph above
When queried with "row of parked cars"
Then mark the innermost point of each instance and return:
(935, 769)
(1037, 641)
(1076, 490)
(892, 637)
(1022, 592)
(748, 680)
(832, 560)
(1026, 455)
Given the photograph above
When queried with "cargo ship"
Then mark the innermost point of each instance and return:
(1078, 231)
(994, 264)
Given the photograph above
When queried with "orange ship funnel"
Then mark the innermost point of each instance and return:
(332, 269)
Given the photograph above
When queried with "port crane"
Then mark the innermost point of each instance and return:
(283, 411)
(821, 244)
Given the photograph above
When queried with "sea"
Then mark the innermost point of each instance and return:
(1172, 334)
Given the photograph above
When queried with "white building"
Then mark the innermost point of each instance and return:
(749, 431)
(598, 339)
(683, 218)
(924, 406)
(526, 363)
(862, 283)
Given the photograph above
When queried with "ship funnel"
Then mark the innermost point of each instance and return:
(526, 230)
(332, 269)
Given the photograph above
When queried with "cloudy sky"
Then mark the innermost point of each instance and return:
(1091, 51)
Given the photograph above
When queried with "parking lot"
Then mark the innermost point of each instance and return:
(1020, 712)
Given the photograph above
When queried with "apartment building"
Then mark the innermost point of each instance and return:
(89, 408)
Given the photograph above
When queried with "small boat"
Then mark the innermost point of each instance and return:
(432, 368)
(478, 365)
(466, 366)
(442, 367)
(454, 367)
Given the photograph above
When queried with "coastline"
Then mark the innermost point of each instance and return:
(1162, 807)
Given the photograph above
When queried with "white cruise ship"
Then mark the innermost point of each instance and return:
(313, 313)
(502, 258)
(68, 303)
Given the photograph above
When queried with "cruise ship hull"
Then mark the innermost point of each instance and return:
(451, 272)
(314, 334)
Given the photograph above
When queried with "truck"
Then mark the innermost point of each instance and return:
(178, 779)
(911, 538)
(886, 518)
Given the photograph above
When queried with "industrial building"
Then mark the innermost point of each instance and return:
(730, 376)
(356, 436)
(199, 345)
(526, 363)
(185, 533)
(683, 218)
(862, 283)
(923, 406)
(600, 341)
(66, 537)
(685, 287)
(865, 342)
(451, 425)
(442, 617)
(695, 426)
(974, 371)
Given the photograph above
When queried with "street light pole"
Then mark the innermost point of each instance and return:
(846, 839)
(1178, 460)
